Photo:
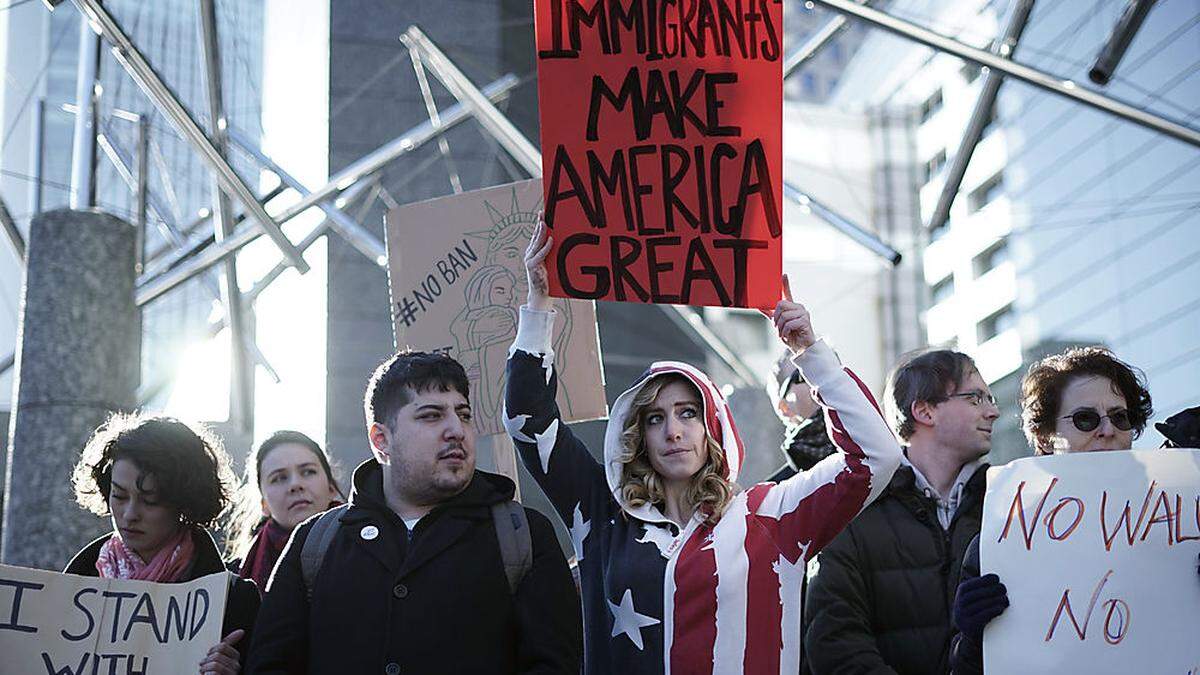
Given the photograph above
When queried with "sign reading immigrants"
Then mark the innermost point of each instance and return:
(662, 142)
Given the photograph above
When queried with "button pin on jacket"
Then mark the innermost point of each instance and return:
(369, 532)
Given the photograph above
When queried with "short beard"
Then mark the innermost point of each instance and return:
(428, 493)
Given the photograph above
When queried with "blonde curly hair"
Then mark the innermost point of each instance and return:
(708, 489)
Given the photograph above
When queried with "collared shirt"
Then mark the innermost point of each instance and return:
(946, 506)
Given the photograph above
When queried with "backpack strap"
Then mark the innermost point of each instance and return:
(320, 536)
(516, 545)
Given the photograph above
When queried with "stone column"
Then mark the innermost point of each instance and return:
(78, 359)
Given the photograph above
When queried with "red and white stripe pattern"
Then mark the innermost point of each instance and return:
(732, 592)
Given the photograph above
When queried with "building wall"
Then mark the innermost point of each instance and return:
(1071, 227)
(374, 97)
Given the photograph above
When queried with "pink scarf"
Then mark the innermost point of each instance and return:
(118, 561)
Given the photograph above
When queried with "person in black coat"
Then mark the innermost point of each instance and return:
(413, 580)
(163, 483)
(880, 599)
(805, 440)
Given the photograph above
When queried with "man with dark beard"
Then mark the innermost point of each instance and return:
(430, 567)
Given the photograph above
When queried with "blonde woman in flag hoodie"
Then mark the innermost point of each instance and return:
(680, 572)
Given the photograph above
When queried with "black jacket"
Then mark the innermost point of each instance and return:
(439, 603)
(241, 605)
(966, 653)
(881, 598)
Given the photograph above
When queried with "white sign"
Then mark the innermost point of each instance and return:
(63, 623)
(1099, 555)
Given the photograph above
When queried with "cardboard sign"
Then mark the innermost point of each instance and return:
(662, 149)
(456, 269)
(63, 623)
(1098, 552)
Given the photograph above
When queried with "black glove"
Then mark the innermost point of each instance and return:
(977, 602)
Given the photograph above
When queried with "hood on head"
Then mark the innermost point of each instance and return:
(718, 420)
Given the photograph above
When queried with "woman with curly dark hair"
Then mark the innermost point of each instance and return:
(288, 480)
(163, 483)
(1082, 400)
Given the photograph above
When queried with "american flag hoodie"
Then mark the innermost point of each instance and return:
(721, 599)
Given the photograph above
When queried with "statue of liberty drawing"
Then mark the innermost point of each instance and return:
(494, 293)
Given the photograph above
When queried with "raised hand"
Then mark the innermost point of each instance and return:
(792, 322)
(535, 266)
(223, 658)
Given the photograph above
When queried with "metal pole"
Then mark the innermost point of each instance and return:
(349, 196)
(140, 70)
(143, 190)
(150, 289)
(161, 214)
(848, 227)
(1065, 88)
(83, 148)
(359, 237)
(691, 322)
(10, 229)
(1123, 33)
(466, 92)
(432, 111)
(814, 44)
(156, 258)
(241, 371)
(38, 155)
(984, 106)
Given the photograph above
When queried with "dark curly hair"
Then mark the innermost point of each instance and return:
(393, 382)
(1043, 385)
(188, 463)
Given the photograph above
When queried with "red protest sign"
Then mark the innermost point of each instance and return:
(662, 149)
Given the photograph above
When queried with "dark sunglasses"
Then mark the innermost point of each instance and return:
(1088, 419)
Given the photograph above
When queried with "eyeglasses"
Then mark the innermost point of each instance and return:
(976, 398)
(1087, 419)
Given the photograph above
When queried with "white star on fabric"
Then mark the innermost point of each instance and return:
(579, 531)
(626, 619)
(548, 364)
(659, 536)
(515, 426)
(545, 444)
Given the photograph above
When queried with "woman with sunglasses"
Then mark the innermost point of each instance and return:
(1082, 400)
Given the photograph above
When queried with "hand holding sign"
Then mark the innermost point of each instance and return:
(978, 601)
(535, 266)
(223, 658)
(792, 322)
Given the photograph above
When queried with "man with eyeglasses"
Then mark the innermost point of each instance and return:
(881, 597)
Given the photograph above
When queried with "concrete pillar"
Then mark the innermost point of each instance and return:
(78, 359)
